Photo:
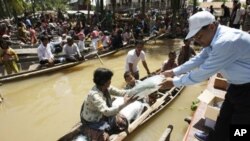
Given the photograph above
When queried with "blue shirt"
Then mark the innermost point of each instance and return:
(228, 53)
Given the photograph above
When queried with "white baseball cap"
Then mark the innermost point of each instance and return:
(197, 21)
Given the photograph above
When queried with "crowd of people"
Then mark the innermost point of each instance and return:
(103, 35)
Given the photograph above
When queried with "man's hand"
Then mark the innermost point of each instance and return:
(167, 84)
(51, 60)
(129, 99)
(168, 73)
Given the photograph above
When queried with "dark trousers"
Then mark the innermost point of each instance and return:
(235, 110)
(46, 61)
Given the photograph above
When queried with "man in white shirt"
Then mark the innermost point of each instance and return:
(44, 52)
(133, 58)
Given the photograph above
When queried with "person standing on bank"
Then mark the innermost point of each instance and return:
(226, 50)
(133, 58)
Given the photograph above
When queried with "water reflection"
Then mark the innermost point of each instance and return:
(47, 106)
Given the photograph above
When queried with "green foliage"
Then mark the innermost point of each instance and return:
(51, 4)
(194, 105)
(191, 2)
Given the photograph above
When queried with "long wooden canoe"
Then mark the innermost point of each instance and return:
(36, 71)
(91, 55)
(163, 99)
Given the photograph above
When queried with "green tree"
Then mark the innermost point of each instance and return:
(9, 8)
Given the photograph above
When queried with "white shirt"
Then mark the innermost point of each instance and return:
(44, 52)
(237, 17)
(134, 59)
(105, 41)
(71, 50)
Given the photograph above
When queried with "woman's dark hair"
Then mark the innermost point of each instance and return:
(102, 75)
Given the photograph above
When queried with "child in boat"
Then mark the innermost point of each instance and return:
(100, 118)
(8, 57)
(130, 80)
(170, 63)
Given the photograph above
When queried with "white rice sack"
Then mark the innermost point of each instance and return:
(147, 86)
(131, 111)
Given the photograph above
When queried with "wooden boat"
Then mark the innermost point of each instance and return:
(163, 99)
(34, 60)
(37, 71)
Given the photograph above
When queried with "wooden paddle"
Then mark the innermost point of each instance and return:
(99, 58)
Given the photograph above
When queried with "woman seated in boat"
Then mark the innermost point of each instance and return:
(98, 116)
(128, 36)
(44, 52)
(81, 42)
(71, 51)
(22, 33)
(8, 57)
(105, 40)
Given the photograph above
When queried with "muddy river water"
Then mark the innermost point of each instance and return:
(44, 108)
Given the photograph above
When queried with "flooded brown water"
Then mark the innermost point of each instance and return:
(46, 107)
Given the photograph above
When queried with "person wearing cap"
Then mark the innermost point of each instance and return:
(8, 57)
(71, 50)
(133, 58)
(225, 50)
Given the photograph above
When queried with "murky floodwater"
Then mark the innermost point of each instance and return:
(46, 107)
